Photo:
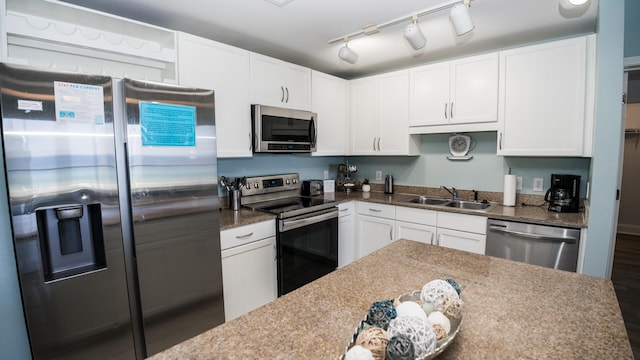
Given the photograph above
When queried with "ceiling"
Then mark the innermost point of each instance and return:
(299, 31)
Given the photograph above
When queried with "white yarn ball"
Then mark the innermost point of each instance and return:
(357, 352)
(410, 308)
(437, 317)
(417, 330)
(435, 291)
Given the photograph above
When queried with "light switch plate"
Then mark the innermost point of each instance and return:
(538, 184)
(518, 182)
(326, 174)
(378, 174)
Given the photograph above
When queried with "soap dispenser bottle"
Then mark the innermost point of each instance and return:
(388, 184)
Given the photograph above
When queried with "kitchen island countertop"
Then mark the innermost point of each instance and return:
(512, 310)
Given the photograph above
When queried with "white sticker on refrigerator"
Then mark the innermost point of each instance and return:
(79, 102)
(29, 105)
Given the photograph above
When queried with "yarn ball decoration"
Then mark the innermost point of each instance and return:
(452, 307)
(435, 291)
(410, 308)
(455, 285)
(417, 330)
(357, 352)
(439, 318)
(400, 347)
(440, 332)
(375, 339)
(381, 313)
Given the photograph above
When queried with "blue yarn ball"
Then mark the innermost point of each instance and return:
(455, 285)
(400, 347)
(381, 313)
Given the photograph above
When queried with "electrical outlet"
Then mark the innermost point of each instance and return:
(326, 174)
(378, 174)
(538, 184)
(518, 182)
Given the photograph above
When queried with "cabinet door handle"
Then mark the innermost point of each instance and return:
(287, 90)
(282, 92)
(374, 143)
(500, 142)
(275, 253)
(375, 210)
(378, 143)
(244, 236)
(431, 239)
(445, 110)
(390, 233)
(250, 142)
(438, 240)
(451, 111)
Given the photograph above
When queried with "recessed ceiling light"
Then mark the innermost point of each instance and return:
(279, 3)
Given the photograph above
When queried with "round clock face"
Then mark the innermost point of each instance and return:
(459, 145)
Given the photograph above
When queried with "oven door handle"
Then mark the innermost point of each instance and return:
(304, 220)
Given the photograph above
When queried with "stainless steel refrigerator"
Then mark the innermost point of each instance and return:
(114, 209)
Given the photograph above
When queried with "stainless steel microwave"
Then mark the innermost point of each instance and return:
(280, 130)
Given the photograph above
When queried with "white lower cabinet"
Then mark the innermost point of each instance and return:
(462, 232)
(374, 226)
(249, 270)
(416, 224)
(346, 234)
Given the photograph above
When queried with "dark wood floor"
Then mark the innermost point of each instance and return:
(626, 281)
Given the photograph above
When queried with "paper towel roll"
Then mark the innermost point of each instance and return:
(509, 190)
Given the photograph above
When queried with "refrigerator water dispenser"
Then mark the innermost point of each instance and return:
(71, 240)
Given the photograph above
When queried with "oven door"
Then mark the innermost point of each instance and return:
(307, 248)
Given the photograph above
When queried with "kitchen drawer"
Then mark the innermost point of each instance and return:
(377, 210)
(246, 234)
(417, 216)
(345, 209)
(462, 222)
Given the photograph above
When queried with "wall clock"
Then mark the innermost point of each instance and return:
(459, 147)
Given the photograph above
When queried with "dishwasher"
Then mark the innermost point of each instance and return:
(544, 245)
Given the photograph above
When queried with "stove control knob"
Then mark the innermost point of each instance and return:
(248, 186)
(288, 181)
(295, 180)
(255, 185)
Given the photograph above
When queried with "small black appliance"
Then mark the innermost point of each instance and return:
(564, 194)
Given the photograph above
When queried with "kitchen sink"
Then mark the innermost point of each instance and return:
(429, 201)
(459, 204)
(469, 205)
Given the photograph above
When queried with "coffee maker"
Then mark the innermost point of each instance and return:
(564, 194)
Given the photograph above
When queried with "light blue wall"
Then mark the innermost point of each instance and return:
(485, 171)
(607, 141)
(632, 28)
(14, 343)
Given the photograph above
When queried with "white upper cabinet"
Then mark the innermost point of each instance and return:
(380, 116)
(225, 69)
(330, 100)
(546, 99)
(278, 83)
(449, 96)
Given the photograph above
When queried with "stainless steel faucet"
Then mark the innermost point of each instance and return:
(453, 192)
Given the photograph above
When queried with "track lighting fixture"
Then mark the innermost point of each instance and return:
(347, 54)
(414, 35)
(459, 16)
(572, 4)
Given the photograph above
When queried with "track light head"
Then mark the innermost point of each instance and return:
(414, 35)
(461, 19)
(346, 54)
(572, 4)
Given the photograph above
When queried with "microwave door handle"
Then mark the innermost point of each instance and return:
(312, 132)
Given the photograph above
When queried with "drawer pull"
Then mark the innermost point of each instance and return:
(375, 210)
(244, 236)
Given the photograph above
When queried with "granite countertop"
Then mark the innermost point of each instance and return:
(245, 216)
(536, 214)
(512, 310)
